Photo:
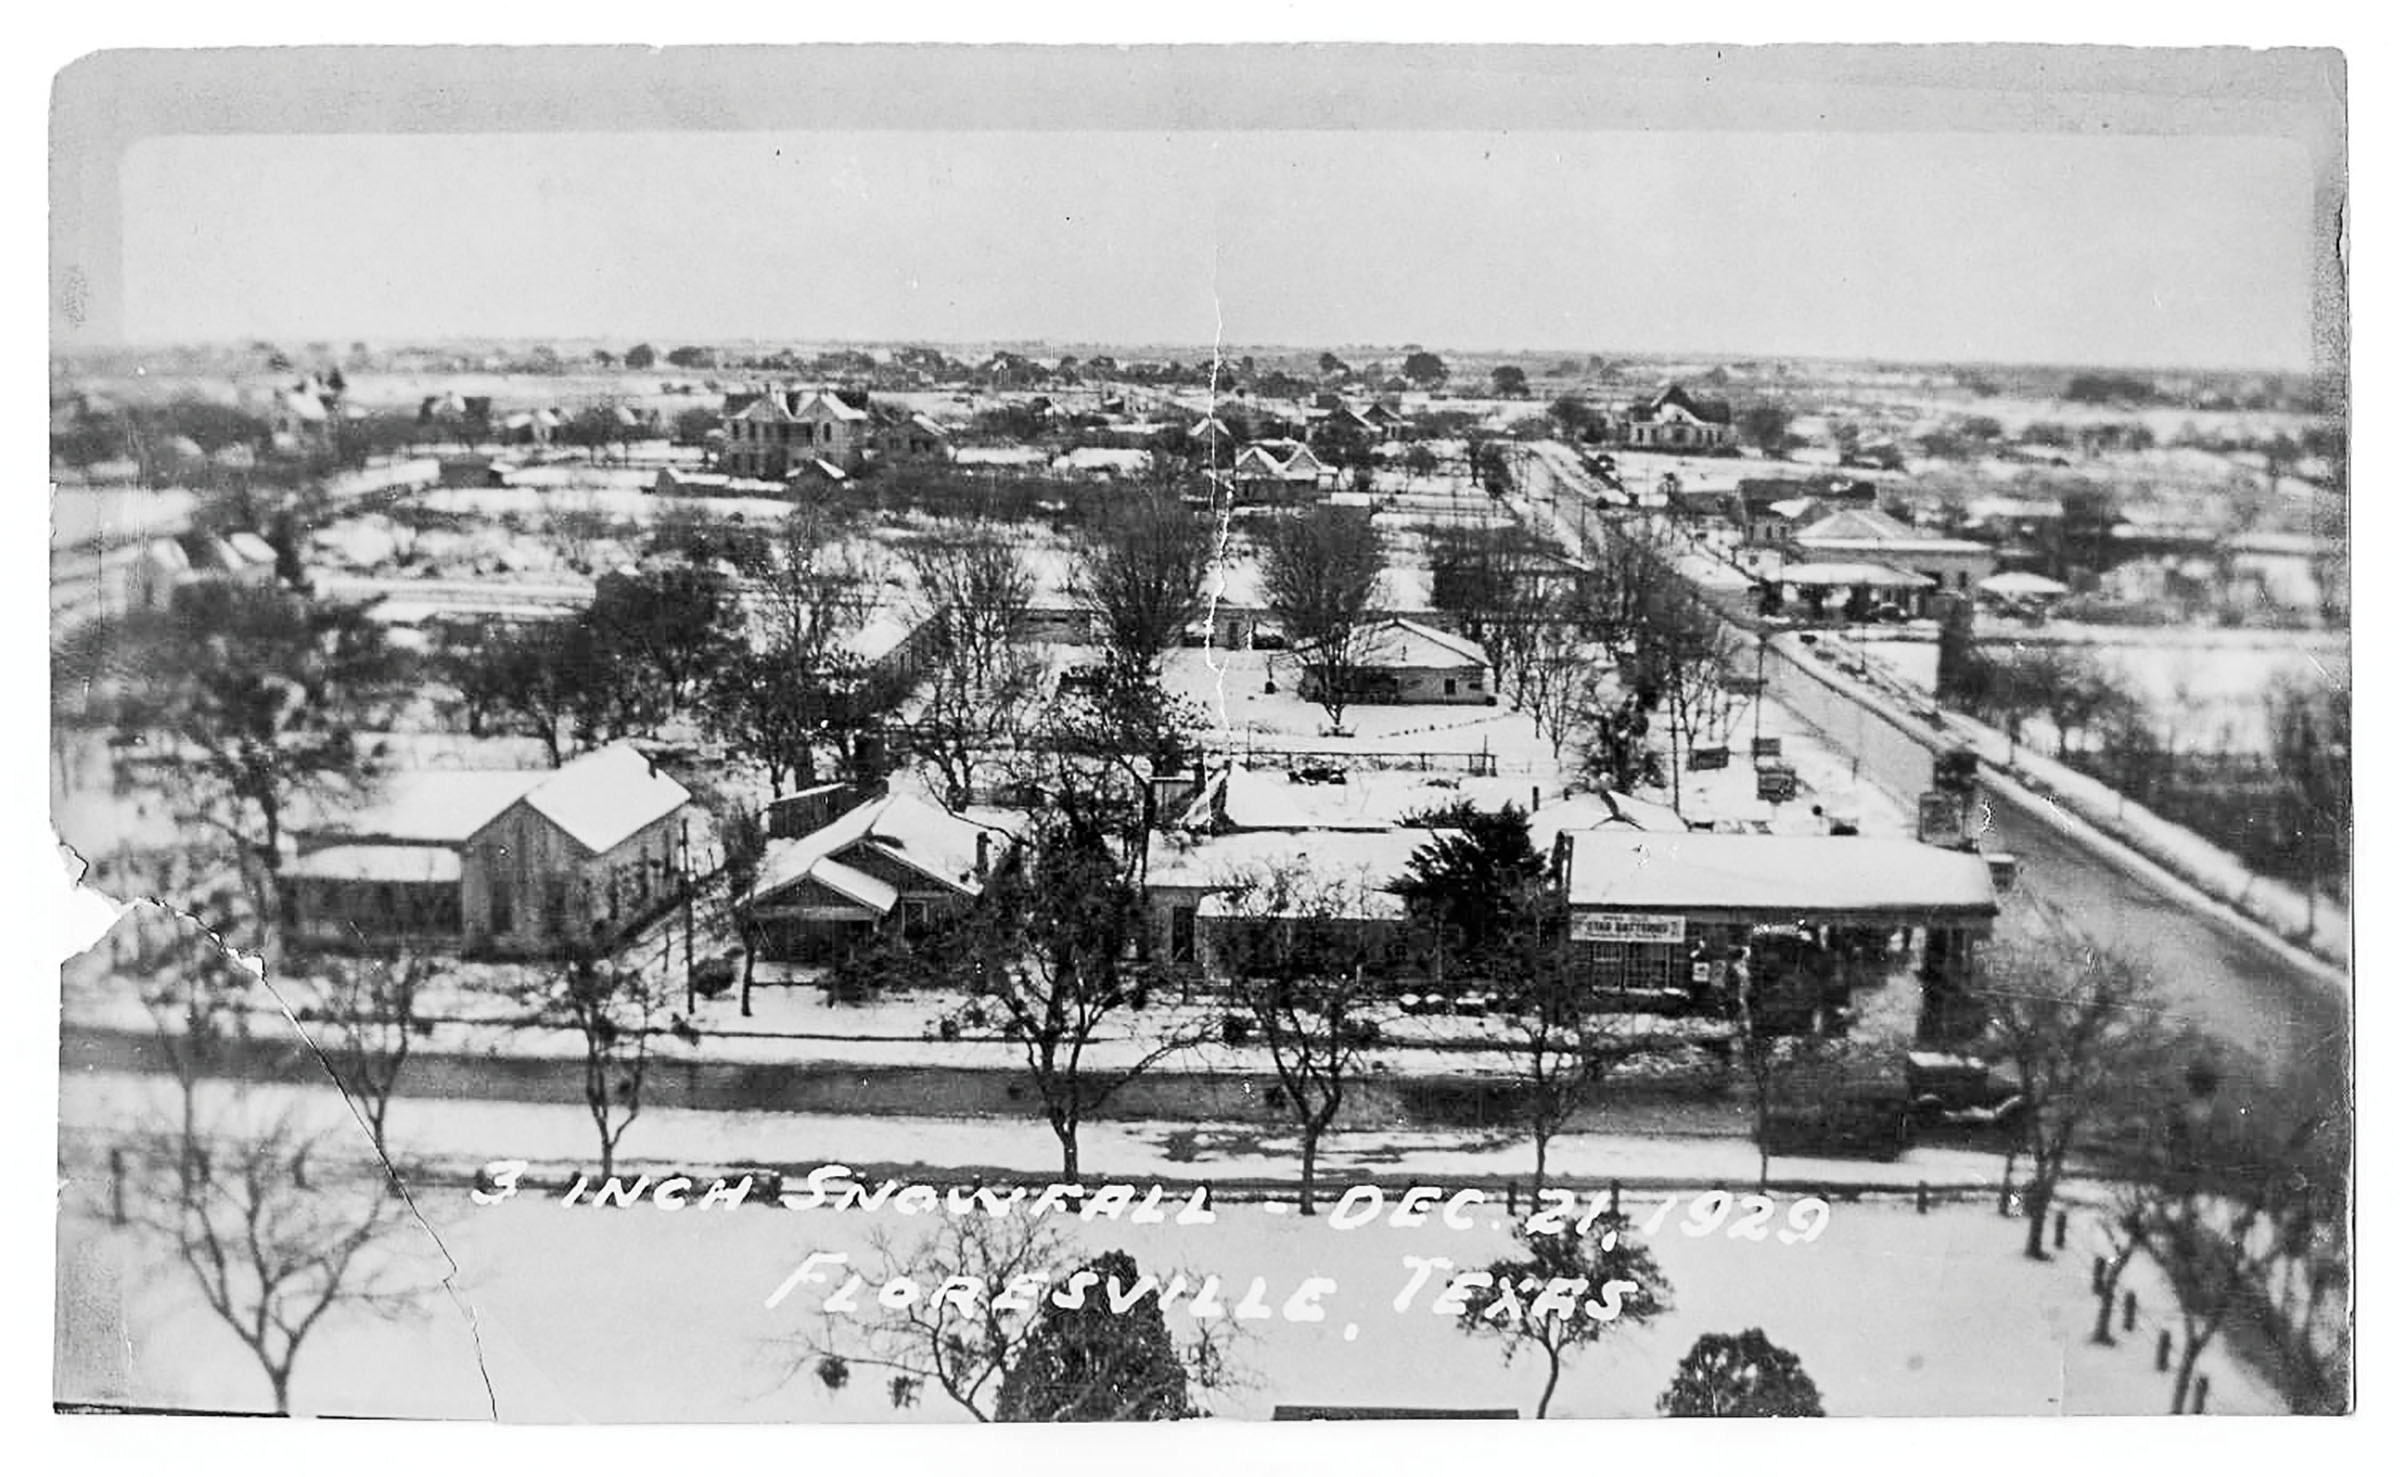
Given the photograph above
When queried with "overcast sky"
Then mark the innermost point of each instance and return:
(2165, 251)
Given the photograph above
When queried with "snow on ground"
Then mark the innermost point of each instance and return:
(558, 1313)
(80, 515)
(453, 1133)
(2215, 872)
(1231, 686)
(2210, 695)
(633, 502)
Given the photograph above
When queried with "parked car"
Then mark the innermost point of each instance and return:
(1961, 1091)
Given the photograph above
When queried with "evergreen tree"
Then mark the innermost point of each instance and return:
(1091, 1362)
(1740, 1375)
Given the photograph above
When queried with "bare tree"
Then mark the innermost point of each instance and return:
(1144, 574)
(1559, 1048)
(1621, 587)
(1320, 570)
(980, 682)
(1795, 1076)
(274, 1248)
(2079, 1023)
(801, 681)
(271, 1248)
(1683, 652)
(2311, 736)
(1601, 1267)
(1492, 578)
(615, 1009)
(262, 696)
(1051, 945)
(962, 1352)
(366, 1016)
(1297, 950)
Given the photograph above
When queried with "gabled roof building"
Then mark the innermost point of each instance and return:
(519, 863)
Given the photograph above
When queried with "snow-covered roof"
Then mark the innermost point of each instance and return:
(918, 834)
(1813, 877)
(605, 796)
(1611, 810)
(301, 406)
(859, 887)
(435, 807)
(1990, 509)
(1400, 642)
(1374, 858)
(1000, 456)
(167, 554)
(379, 864)
(250, 548)
(1864, 529)
(1103, 459)
(2020, 582)
(1871, 576)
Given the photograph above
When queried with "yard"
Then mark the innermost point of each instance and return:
(580, 1314)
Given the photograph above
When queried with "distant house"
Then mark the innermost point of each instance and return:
(519, 863)
(1278, 471)
(898, 434)
(1844, 590)
(1775, 508)
(1403, 662)
(474, 471)
(304, 414)
(1706, 510)
(777, 433)
(168, 564)
(1387, 421)
(532, 427)
(1855, 534)
(896, 864)
(1673, 420)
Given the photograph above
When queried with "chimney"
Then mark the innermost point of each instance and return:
(983, 855)
(1537, 798)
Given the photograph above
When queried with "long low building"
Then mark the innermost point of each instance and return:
(1676, 913)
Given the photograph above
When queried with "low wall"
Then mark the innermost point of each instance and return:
(1375, 1100)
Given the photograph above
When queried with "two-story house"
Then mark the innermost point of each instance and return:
(779, 434)
(1673, 420)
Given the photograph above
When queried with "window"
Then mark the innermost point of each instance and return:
(916, 915)
(1623, 966)
(1182, 928)
(1449, 687)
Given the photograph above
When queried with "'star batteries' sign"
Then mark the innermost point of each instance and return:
(1627, 928)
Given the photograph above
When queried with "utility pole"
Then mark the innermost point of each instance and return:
(1758, 698)
(691, 966)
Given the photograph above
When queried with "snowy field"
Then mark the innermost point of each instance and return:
(555, 1314)
(2210, 697)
